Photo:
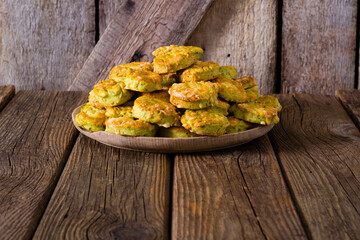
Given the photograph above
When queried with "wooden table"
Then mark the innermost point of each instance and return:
(301, 181)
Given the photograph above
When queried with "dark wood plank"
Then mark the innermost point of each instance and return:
(44, 43)
(36, 135)
(318, 147)
(350, 99)
(107, 193)
(233, 194)
(318, 46)
(230, 34)
(137, 28)
(6, 94)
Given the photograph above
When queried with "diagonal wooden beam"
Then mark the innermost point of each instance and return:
(136, 30)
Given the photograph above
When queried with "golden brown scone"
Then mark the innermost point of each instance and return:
(252, 93)
(130, 127)
(237, 125)
(205, 122)
(91, 118)
(200, 71)
(193, 95)
(173, 58)
(247, 81)
(109, 93)
(228, 72)
(137, 79)
(261, 111)
(231, 90)
(154, 110)
(163, 95)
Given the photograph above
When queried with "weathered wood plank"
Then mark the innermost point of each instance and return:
(233, 194)
(36, 135)
(318, 46)
(318, 147)
(107, 193)
(350, 99)
(44, 43)
(107, 10)
(137, 28)
(242, 34)
(6, 94)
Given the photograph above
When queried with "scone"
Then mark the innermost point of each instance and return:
(91, 118)
(163, 95)
(247, 81)
(252, 93)
(228, 72)
(221, 106)
(193, 95)
(200, 71)
(205, 122)
(139, 80)
(175, 132)
(173, 58)
(168, 79)
(121, 111)
(130, 127)
(237, 125)
(230, 90)
(154, 110)
(109, 93)
(261, 111)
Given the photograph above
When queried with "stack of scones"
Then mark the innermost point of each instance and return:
(176, 96)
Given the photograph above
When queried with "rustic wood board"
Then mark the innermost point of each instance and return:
(107, 193)
(234, 194)
(242, 34)
(43, 44)
(6, 94)
(318, 46)
(138, 28)
(36, 135)
(107, 10)
(318, 148)
(350, 99)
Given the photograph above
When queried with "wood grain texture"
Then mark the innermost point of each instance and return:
(44, 43)
(350, 99)
(138, 28)
(234, 194)
(6, 94)
(36, 135)
(242, 34)
(318, 46)
(318, 148)
(107, 193)
(107, 10)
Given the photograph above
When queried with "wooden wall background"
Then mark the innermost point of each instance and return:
(289, 46)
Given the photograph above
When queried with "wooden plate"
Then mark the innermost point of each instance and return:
(173, 145)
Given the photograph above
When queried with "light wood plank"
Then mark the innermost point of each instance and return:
(233, 194)
(318, 46)
(138, 28)
(6, 94)
(242, 34)
(36, 135)
(43, 44)
(107, 10)
(318, 147)
(350, 99)
(107, 193)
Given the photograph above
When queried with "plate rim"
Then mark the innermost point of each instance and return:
(94, 135)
